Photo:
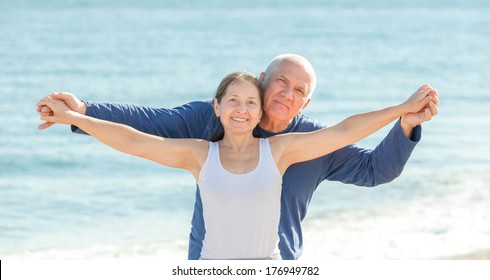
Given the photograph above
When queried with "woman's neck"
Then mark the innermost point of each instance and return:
(238, 143)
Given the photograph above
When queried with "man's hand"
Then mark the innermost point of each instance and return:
(69, 99)
(410, 120)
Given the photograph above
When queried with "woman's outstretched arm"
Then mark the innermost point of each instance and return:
(178, 153)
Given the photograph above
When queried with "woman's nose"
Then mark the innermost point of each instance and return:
(241, 107)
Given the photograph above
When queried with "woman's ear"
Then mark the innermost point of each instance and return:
(216, 108)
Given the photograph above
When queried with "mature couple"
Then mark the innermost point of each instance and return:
(255, 158)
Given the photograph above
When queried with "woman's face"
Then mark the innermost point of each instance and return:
(240, 109)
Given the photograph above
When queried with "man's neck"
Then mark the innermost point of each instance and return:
(274, 126)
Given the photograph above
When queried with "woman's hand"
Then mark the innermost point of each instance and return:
(68, 98)
(56, 111)
(422, 106)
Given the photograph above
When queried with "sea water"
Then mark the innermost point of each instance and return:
(66, 196)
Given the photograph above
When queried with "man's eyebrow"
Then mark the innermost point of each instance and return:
(284, 77)
(303, 88)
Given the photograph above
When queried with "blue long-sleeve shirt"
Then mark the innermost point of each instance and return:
(351, 165)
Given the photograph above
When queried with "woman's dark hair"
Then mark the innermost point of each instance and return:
(223, 86)
(238, 76)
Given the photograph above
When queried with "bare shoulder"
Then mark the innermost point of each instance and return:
(276, 140)
(281, 140)
(195, 145)
(193, 148)
(200, 148)
(278, 144)
(286, 147)
(201, 145)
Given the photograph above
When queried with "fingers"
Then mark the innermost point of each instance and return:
(433, 105)
(428, 89)
(47, 106)
(40, 104)
(428, 112)
(48, 102)
(45, 125)
(421, 96)
(435, 97)
(52, 109)
(423, 87)
(60, 95)
(44, 110)
(429, 94)
(427, 115)
(433, 108)
(424, 116)
(47, 119)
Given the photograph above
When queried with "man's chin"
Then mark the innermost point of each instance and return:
(279, 113)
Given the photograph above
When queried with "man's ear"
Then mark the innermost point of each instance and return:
(304, 106)
(216, 108)
(262, 76)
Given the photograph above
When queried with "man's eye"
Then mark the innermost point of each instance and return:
(281, 81)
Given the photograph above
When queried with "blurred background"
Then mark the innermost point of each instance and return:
(66, 196)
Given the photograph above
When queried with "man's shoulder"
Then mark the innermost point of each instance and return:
(199, 104)
(198, 107)
(304, 124)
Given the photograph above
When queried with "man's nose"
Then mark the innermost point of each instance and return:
(287, 92)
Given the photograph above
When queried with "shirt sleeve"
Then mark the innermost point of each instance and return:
(191, 120)
(365, 167)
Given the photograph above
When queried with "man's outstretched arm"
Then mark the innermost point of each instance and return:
(365, 167)
(191, 120)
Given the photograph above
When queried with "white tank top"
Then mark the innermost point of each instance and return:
(241, 211)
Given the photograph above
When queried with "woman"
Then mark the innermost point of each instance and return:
(239, 176)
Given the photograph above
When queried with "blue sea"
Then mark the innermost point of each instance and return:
(66, 196)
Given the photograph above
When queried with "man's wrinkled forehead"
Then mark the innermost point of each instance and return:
(293, 72)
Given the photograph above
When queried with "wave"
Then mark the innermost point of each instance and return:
(436, 225)
(175, 250)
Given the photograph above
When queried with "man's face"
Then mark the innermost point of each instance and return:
(287, 92)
